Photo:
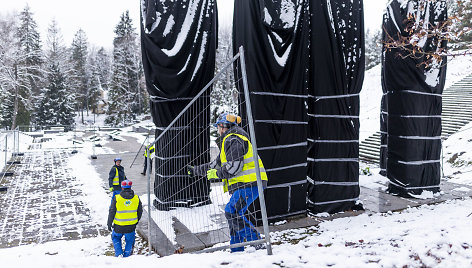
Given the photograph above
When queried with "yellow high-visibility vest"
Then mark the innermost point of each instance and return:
(126, 210)
(248, 174)
(116, 179)
(151, 150)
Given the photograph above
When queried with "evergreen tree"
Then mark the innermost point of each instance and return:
(20, 69)
(463, 25)
(104, 67)
(95, 84)
(373, 49)
(30, 44)
(26, 68)
(55, 105)
(79, 76)
(126, 98)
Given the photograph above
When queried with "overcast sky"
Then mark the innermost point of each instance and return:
(98, 18)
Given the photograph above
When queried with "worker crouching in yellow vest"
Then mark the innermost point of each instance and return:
(236, 168)
(125, 212)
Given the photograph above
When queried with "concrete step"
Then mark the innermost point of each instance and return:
(368, 147)
(374, 157)
(451, 118)
(369, 150)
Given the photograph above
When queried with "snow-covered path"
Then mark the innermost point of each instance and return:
(427, 236)
(45, 201)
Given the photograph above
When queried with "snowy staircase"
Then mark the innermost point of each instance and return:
(456, 113)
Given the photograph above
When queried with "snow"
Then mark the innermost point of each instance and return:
(287, 13)
(197, 219)
(184, 30)
(371, 93)
(415, 237)
(420, 236)
(7, 140)
(169, 25)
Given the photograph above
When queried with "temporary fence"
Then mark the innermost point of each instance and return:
(9, 146)
(184, 203)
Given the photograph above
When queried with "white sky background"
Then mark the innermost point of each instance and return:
(98, 18)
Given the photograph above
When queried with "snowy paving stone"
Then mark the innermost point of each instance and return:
(44, 202)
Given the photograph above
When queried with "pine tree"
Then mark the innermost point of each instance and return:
(126, 93)
(79, 76)
(104, 67)
(27, 68)
(463, 11)
(20, 70)
(55, 105)
(95, 84)
(373, 49)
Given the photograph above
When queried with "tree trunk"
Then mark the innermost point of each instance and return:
(82, 112)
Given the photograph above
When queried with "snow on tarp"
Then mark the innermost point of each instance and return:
(275, 37)
(336, 74)
(179, 41)
(413, 99)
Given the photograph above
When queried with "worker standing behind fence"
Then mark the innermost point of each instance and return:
(236, 168)
(116, 176)
(152, 151)
(125, 212)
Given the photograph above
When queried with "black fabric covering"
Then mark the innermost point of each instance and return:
(275, 37)
(413, 102)
(336, 68)
(178, 62)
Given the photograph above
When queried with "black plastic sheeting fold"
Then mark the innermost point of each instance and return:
(179, 40)
(336, 75)
(275, 37)
(412, 101)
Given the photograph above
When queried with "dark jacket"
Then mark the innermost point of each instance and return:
(126, 194)
(235, 149)
(111, 175)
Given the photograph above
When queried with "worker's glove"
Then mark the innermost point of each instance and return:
(190, 171)
(211, 174)
(109, 228)
(111, 189)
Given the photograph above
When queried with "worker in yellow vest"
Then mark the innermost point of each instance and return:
(116, 176)
(236, 168)
(152, 151)
(125, 212)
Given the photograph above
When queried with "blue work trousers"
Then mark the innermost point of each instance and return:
(115, 192)
(129, 239)
(240, 228)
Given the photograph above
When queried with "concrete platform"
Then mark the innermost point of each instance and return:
(374, 201)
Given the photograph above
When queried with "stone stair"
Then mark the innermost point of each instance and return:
(456, 113)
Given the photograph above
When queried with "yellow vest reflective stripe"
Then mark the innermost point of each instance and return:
(248, 174)
(126, 210)
(151, 150)
(116, 179)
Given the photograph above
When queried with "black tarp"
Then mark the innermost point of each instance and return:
(336, 75)
(413, 99)
(275, 37)
(179, 40)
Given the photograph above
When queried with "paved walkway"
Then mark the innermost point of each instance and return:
(43, 202)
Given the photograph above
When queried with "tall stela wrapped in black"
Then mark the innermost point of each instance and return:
(413, 102)
(275, 37)
(336, 75)
(179, 40)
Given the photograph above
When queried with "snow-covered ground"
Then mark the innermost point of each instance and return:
(7, 145)
(427, 236)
